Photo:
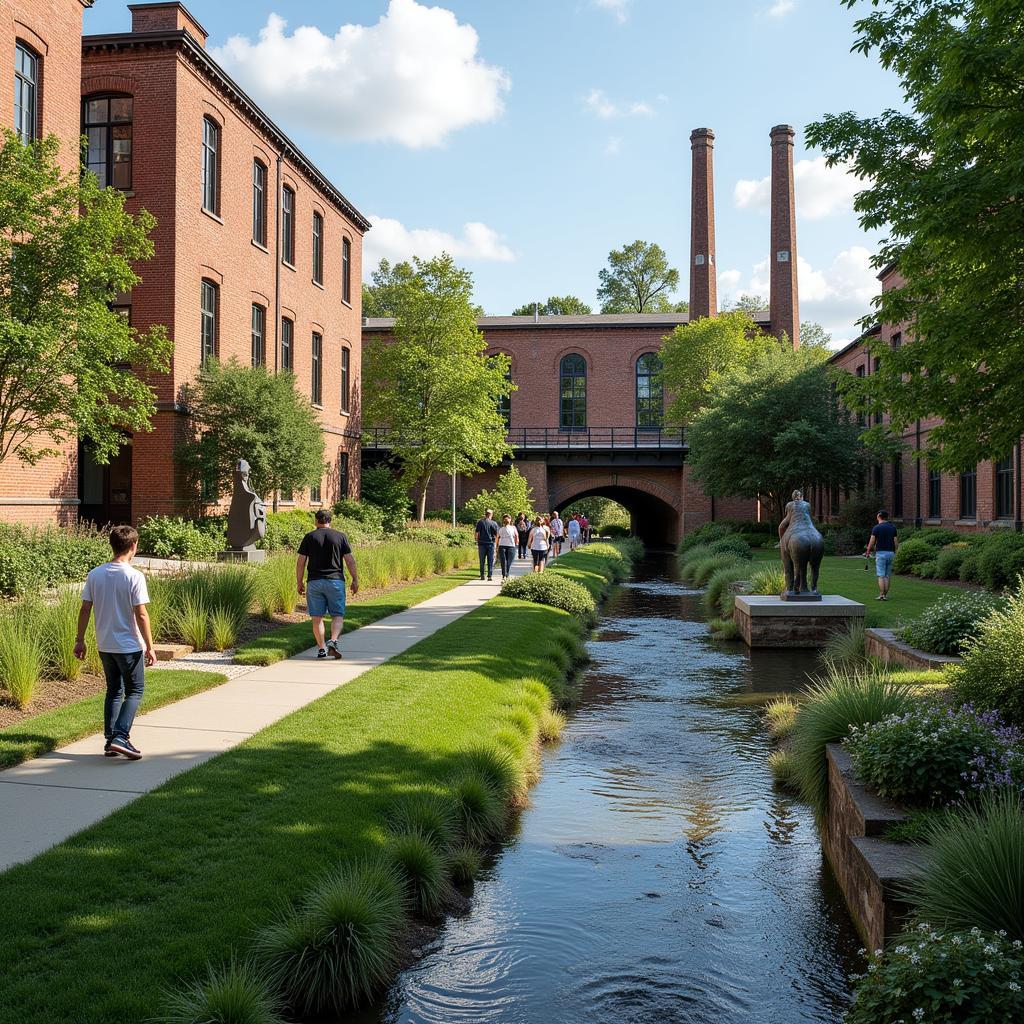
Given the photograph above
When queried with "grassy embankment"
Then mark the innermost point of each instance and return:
(98, 928)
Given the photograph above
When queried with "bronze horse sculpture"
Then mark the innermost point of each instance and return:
(802, 548)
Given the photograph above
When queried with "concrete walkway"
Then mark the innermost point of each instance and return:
(44, 801)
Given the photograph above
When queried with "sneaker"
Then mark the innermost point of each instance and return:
(321, 653)
(332, 647)
(123, 745)
(107, 752)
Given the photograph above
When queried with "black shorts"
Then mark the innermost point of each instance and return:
(540, 557)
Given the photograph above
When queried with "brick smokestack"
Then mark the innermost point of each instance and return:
(785, 298)
(703, 275)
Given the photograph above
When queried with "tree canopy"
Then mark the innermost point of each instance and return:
(382, 298)
(943, 176)
(638, 279)
(433, 386)
(748, 303)
(773, 425)
(246, 412)
(556, 305)
(510, 496)
(67, 249)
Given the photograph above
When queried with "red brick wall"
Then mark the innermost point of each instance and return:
(48, 491)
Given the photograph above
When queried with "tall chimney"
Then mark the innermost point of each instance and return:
(703, 276)
(784, 298)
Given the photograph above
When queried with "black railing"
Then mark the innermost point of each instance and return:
(552, 438)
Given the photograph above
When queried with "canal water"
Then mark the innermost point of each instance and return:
(657, 876)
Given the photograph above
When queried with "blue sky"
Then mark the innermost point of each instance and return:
(533, 136)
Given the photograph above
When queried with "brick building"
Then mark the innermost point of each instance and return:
(588, 415)
(989, 496)
(40, 71)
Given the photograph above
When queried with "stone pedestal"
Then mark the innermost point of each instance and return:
(242, 555)
(772, 622)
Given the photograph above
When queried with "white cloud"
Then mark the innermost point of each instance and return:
(414, 77)
(781, 8)
(599, 104)
(820, 190)
(613, 147)
(729, 281)
(618, 8)
(391, 239)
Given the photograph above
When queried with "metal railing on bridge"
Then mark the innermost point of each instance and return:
(554, 439)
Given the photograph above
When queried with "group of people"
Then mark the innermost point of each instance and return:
(539, 538)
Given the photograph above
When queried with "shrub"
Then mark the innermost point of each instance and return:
(912, 554)
(431, 815)
(780, 716)
(552, 589)
(444, 536)
(767, 581)
(941, 977)
(928, 570)
(938, 539)
(951, 558)
(615, 531)
(845, 647)
(380, 487)
(59, 629)
(734, 545)
(173, 537)
(341, 944)
(945, 626)
(931, 755)
(369, 516)
(707, 567)
(859, 510)
(690, 558)
(974, 872)
(34, 558)
(512, 494)
(706, 534)
(464, 864)
(833, 703)
(970, 567)
(990, 676)
(720, 595)
(235, 994)
(848, 541)
(1001, 559)
(480, 810)
(423, 869)
(21, 654)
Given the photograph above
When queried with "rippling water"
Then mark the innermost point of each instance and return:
(656, 876)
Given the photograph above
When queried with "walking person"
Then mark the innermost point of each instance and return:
(323, 555)
(574, 531)
(486, 538)
(118, 596)
(523, 532)
(508, 543)
(557, 528)
(585, 528)
(884, 543)
(540, 542)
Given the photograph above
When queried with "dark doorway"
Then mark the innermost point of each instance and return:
(105, 491)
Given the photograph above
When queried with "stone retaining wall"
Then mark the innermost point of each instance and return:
(770, 622)
(883, 645)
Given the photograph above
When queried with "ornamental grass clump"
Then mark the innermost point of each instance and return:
(192, 621)
(692, 557)
(767, 582)
(480, 810)
(933, 755)
(423, 869)
(21, 654)
(946, 626)
(780, 717)
(552, 589)
(59, 630)
(464, 864)
(223, 629)
(275, 586)
(707, 567)
(501, 770)
(845, 648)
(720, 596)
(942, 976)
(432, 815)
(782, 767)
(238, 993)
(551, 725)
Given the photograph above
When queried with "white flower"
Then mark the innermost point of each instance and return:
(919, 1014)
(957, 983)
(1014, 987)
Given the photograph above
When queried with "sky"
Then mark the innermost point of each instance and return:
(530, 137)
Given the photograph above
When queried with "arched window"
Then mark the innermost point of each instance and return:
(650, 395)
(26, 93)
(210, 178)
(573, 393)
(107, 126)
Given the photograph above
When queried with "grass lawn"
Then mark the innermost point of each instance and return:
(908, 596)
(51, 729)
(278, 644)
(96, 929)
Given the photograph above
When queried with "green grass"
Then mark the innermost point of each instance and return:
(286, 642)
(908, 597)
(51, 729)
(195, 869)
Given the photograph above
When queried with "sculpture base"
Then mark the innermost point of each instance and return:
(772, 622)
(787, 596)
(244, 555)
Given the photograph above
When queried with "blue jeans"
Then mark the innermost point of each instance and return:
(126, 679)
(506, 554)
(486, 552)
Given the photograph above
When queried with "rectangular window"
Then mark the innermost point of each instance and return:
(345, 389)
(287, 344)
(26, 93)
(343, 475)
(288, 226)
(208, 320)
(314, 493)
(969, 494)
(318, 248)
(259, 203)
(934, 494)
(259, 335)
(211, 166)
(878, 478)
(1004, 488)
(107, 126)
(897, 341)
(897, 488)
(316, 381)
(862, 420)
(346, 270)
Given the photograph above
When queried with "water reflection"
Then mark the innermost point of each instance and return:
(657, 876)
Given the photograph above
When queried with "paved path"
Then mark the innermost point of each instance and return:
(44, 801)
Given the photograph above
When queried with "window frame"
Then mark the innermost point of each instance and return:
(897, 487)
(109, 125)
(346, 270)
(32, 85)
(288, 226)
(259, 201)
(211, 317)
(343, 474)
(288, 344)
(969, 494)
(651, 400)
(316, 377)
(569, 418)
(1004, 486)
(318, 247)
(934, 494)
(259, 335)
(346, 380)
(316, 493)
(210, 171)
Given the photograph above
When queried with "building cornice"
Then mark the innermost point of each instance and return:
(648, 321)
(197, 56)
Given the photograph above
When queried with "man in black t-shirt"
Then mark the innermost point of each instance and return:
(883, 540)
(486, 538)
(325, 552)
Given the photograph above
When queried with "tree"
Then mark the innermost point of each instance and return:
(943, 177)
(813, 335)
(382, 298)
(750, 304)
(246, 412)
(433, 386)
(638, 279)
(511, 495)
(698, 355)
(557, 305)
(380, 487)
(67, 249)
(773, 426)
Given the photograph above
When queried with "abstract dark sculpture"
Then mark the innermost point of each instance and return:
(247, 516)
(802, 548)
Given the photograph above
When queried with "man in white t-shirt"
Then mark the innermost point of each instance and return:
(118, 596)
(557, 534)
